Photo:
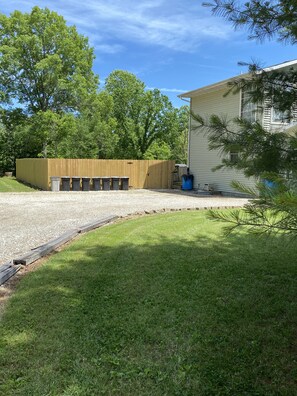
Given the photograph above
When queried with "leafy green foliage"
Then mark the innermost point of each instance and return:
(45, 76)
(16, 139)
(274, 210)
(158, 150)
(178, 136)
(143, 116)
(52, 128)
(93, 135)
(44, 64)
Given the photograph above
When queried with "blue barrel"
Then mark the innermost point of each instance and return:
(187, 182)
(269, 183)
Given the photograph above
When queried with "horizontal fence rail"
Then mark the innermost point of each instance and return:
(150, 174)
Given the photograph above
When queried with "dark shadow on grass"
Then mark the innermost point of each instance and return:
(199, 317)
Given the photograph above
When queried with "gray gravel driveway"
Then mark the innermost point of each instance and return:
(31, 219)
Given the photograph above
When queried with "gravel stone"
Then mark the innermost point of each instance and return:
(31, 219)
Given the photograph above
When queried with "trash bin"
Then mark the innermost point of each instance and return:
(96, 183)
(75, 183)
(65, 183)
(105, 183)
(55, 183)
(86, 183)
(124, 183)
(115, 183)
(187, 182)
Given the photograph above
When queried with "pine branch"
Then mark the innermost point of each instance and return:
(260, 223)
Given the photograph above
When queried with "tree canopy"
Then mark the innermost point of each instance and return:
(44, 64)
(143, 116)
(45, 77)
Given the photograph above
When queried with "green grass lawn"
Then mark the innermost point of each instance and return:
(157, 305)
(10, 184)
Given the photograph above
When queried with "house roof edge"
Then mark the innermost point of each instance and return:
(221, 84)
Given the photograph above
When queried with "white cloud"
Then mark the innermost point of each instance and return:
(156, 23)
(173, 90)
(109, 48)
(179, 26)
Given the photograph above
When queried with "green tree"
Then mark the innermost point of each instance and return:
(44, 64)
(8, 149)
(94, 135)
(51, 129)
(173, 144)
(268, 156)
(6, 146)
(179, 137)
(16, 141)
(158, 150)
(143, 116)
(126, 90)
(45, 75)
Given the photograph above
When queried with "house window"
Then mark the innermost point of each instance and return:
(280, 117)
(234, 157)
(249, 110)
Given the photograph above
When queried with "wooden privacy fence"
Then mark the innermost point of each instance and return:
(142, 173)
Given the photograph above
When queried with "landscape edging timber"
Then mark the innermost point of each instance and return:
(9, 269)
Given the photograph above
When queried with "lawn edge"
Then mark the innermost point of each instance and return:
(40, 254)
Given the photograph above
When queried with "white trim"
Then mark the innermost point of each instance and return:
(224, 83)
(208, 88)
(189, 136)
(281, 65)
(240, 104)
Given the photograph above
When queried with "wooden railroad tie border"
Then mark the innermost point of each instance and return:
(7, 271)
(97, 223)
(49, 247)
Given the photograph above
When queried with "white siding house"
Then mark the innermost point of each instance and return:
(210, 100)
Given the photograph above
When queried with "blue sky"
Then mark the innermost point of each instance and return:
(173, 45)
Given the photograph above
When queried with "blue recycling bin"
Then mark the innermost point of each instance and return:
(269, 183)
(187, 182)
